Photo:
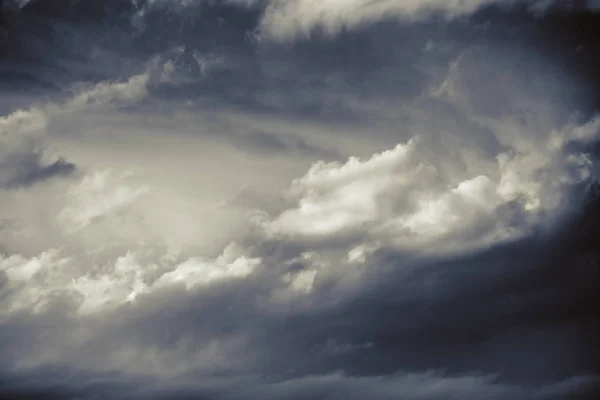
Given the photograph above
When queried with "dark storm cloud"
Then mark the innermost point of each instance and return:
(523, 312)
(512, 322)
(496, 312)
(515, 321)
(58, 383)
(427, 386)
(305, 77)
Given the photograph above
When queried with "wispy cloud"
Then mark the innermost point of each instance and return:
(286, 19)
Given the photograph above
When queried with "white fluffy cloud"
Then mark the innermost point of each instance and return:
(88, 220)
(401, 197)
(33, 283)
(116, 239)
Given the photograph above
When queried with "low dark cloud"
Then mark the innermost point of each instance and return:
(521, 313)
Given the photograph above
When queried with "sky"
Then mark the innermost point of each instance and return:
(299, 199)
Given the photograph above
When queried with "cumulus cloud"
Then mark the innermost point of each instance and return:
(401, 197)
(233, 263)
(113, 248)
(33, 283)
(26, 158)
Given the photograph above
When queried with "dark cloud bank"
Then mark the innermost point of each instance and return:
(510, 319)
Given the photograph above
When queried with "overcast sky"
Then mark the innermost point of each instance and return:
(299, 199)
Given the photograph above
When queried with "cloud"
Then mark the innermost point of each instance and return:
(104, 93)
(273, 144)
(23, 161)
(33, 283)
(97, 196)
(426, 386)
(500, 309)
(233, 263)
(286, 19)
(401, 196)
(109, 289)
(24, 157)
(28, 169)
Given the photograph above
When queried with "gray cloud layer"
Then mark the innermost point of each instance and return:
(401, 210)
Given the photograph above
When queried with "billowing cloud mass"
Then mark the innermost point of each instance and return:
(402, 197)
(297, 199)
